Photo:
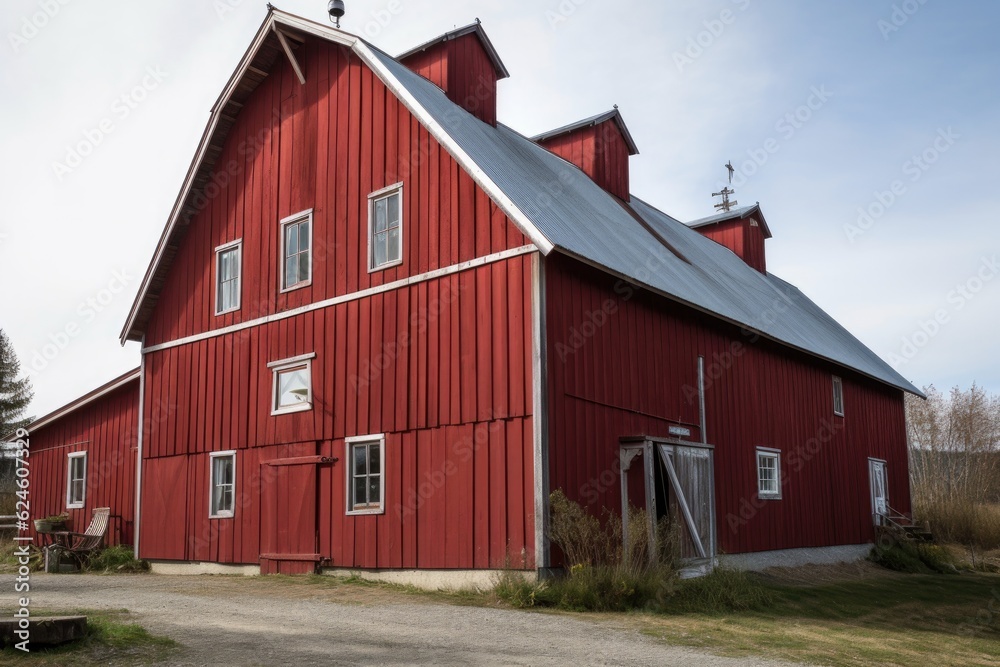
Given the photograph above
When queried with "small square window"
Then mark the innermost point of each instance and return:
(223, 485)
(296, 251)
(76, 481)
(365, 472)
(385, 226)
(838, 397)
(292, 384)
(228, 275)
(768, 474)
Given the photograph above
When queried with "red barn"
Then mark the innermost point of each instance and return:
(388, 326)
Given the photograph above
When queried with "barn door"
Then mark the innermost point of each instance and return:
(879, 490)
(678, 483)
(289, 521)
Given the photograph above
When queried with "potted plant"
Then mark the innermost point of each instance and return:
(52, 524)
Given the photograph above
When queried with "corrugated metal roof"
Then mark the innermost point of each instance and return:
(581, 219)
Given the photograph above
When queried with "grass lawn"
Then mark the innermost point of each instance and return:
(920, 620)
(112, 640)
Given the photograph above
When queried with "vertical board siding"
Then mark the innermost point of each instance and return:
(441, 367)
(107, 429)
(624, 363)
(600, 151)
(359, 139)
(742, 237)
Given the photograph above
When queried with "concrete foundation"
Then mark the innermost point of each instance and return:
(762, 560)
(178, 568)
(432, 580)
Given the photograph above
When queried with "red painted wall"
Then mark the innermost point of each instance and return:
(624, 362)
(462, 68)
(431, 364)
(107, 429)
(600, 151)
(743, 237)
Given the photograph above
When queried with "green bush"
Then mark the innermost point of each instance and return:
(912, 557)
(116, 560)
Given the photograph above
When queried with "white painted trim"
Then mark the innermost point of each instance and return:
(303, 216)
(279, 367)
(137, 519)
(540, 411)
(69, 480)
(384, 193)
(238, 245)
(73, 407)
(211, 484)
(349, 468)
(291, 361)
(291, 56)
(346, 298)
(776, 455)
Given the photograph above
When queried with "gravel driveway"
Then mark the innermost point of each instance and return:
(265, 621)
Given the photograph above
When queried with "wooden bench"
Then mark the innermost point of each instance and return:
(80, 545)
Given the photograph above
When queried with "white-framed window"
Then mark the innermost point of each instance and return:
(838, 396)
(296, 251)
(222, 489)
(228, 277)
(366, 474)
(768, 473)
(385, 228)
(292, 384)
(76, 480)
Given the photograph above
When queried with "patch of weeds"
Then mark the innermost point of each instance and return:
(913, 557)
(116, 560)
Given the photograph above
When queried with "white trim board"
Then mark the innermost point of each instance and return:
(345, 298)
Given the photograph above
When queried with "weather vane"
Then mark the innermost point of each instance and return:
(725, 204)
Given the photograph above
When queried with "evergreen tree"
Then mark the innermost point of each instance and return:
(15, 394)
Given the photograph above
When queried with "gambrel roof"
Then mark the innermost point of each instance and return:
(554, 203)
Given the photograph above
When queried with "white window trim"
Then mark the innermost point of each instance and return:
(358, 440)
(238, 244)
(776, 454)
(69, 481)
(838, 383)
(379, 194)
(211, 484)
(293, 219)
(284, 365)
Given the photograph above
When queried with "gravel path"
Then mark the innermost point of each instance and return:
(234, 621)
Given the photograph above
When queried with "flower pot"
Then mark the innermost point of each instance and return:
(47, 526)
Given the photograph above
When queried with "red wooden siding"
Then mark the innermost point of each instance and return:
(744, 237)
(463, 69)
(442, 367)
(624, 362)
(600, 151)
(357, 138)
(107, 429)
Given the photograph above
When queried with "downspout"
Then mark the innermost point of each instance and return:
(701, 400)
(138, 456)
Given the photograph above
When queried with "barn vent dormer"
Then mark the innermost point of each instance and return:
(742, 230)
(600, 146)
(464, 64)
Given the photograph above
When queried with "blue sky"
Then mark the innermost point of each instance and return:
(822, 107)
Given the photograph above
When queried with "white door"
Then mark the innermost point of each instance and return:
(880, 490)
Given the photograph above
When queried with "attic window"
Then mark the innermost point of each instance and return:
(838, 396)
(228, 270)
(296, 251)
(385, 227)
(768, 474)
